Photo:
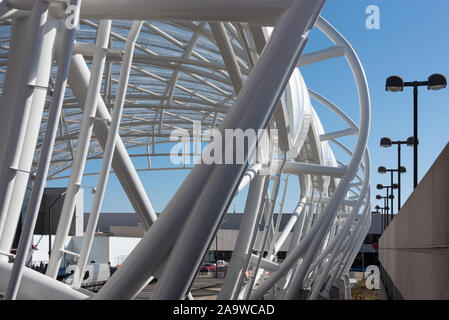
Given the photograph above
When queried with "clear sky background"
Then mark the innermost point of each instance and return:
(412, 42)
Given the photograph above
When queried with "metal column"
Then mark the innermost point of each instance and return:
(44, 162)
(242, 248)
(28, 86)
(108, 154)
(79, 162)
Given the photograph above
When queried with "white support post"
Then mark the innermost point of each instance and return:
(272, 249)
(290, 224)
(19, 30)
(225, 46)
(329, 262)
(11, 85)
(123, 167)
(268, 230)
(44, 161)
(23, 101)
(108, 154)
(82, 149)
(32, 133)
(242, 248)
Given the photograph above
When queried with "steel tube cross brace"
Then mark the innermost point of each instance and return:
(121, 163)
(307, 168)
(225, 46)
(108, 154)
(254, 201)
(79, 162)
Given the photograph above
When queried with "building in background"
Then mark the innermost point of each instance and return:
(368, 254)
(118, 233)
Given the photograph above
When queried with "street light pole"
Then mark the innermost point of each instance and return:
(382, 219)
(391, 199)
(49, 232)
(386, 206)
(386, 143)
(415, 134)
(399, 177)
(389, 196)
(216, 254)
(49, 222)
(396, 84)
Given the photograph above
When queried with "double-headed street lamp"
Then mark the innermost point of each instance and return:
(395, 84)
(393, 186)
(400, 170)
(379, 197)
(386, 143)
(384, 209)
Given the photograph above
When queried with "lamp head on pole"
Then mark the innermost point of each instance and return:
(436, 82)
(394, 84)
(382, 170)
(385, 142)
(411, 141)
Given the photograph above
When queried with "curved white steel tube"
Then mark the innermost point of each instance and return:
(325, 219)
(326, 227)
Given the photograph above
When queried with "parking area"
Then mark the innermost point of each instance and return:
(204, 288)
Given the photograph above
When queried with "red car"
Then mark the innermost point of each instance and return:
(207, 267)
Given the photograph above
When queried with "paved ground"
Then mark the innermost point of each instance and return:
(204, 288)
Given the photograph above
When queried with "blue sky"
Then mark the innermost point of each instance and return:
(411, 42)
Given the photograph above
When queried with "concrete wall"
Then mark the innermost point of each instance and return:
(414, 250)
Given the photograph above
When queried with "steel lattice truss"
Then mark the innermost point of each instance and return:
(137, 70)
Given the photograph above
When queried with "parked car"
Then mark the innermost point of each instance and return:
(222, 263)
(208, 267)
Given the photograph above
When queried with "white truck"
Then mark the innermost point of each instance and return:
(94, 277)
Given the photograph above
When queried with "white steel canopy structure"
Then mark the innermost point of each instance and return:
(134, 72)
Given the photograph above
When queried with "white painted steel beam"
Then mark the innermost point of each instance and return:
(255, 11)
(37, 286)
(321, 55)
(108, 154)
(79, 162)
(42, 170)
(23, 102)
